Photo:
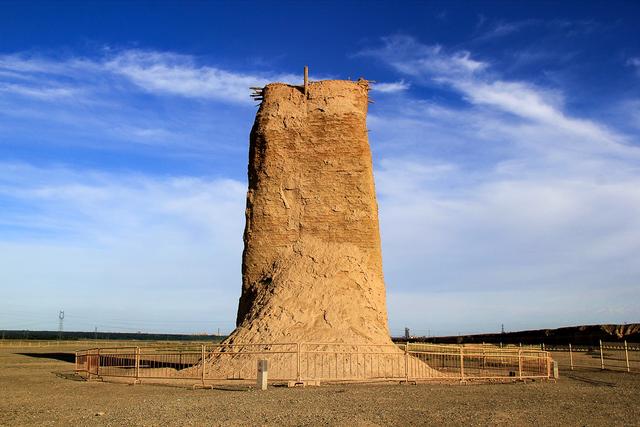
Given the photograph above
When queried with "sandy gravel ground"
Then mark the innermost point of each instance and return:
(38, 389)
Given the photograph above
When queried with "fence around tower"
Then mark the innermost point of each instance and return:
(614, 356)
(318, 362)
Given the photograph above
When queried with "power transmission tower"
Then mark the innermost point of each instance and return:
(60, 324)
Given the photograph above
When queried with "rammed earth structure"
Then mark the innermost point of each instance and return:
(312, 263)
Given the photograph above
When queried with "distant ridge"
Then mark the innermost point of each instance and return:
(583, 335)
(80, 335)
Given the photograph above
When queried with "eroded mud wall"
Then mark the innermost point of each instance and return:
(312, 265)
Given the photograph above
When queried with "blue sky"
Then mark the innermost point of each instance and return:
(505, 136)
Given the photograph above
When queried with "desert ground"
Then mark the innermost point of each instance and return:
(38, 387)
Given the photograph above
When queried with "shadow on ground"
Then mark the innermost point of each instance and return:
(588, 380)
(63, 357)
(231, 388)
(73, 376)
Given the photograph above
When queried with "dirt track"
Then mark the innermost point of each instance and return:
(38, 389)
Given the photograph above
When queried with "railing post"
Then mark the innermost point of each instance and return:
(137, 363)
(519, 363)
(626, 355)
(406, 361)
(263, 374)
(88, 363)
(98, 362)
(298, 363)
(548, 356)
(204, 364)
(570, 358)
(601, 357)
(77, 359)
(461, 363)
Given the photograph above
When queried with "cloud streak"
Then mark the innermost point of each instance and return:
(126, 101)
(168, 73)
(635, 63)
(474, 80)
(392, 87)
(158, 73)
(415, 59)
(492, 193)
(78, 235)
(504, 194)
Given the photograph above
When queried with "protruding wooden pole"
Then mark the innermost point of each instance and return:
(306, 80)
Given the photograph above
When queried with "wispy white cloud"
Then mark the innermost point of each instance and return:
(155, 72)
(415, 59)
(502, 29)
(473, 80)
(53, 93)
(116, 100)
(554, 28)
(543, 107)
(503, 195)
(90, 194)
(518, 231)
(169, 73)
(76, 235)
(391, 87)
(635, 63)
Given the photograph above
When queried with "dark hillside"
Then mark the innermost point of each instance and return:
(583, 335)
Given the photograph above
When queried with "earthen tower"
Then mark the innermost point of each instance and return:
(312, 264)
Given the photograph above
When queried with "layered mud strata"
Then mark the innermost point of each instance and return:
(312, 264)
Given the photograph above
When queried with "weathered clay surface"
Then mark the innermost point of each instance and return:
(312, 265)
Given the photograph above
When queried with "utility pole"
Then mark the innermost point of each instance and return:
(407, 334)
(60, 324)
(503, 328)
(95, 333)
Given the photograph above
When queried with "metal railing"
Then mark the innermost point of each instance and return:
(326, 362)
(619, 356)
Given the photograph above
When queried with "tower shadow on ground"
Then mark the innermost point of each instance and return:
(63, 357)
